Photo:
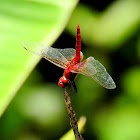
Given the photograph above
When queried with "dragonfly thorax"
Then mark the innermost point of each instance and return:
(69, 75)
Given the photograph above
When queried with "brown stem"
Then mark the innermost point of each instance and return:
(73, 120)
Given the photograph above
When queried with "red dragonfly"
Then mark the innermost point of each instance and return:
(70, 60)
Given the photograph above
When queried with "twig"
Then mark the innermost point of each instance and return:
(73, 120)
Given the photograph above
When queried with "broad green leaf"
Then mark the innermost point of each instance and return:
(20, 21)
(70, 135)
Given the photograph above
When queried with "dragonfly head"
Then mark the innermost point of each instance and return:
(63, 82)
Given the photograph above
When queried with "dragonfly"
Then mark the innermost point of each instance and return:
(70, 59)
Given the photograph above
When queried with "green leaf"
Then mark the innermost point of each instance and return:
(34, 21)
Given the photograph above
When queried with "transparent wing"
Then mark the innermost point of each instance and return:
(59, 57)
(93, 68)
(69, 53)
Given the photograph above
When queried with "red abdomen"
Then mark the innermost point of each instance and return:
(78, 46)
(69, 75)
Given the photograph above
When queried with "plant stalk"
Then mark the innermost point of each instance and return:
(72, 116)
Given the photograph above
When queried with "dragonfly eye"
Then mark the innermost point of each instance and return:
(63, 82)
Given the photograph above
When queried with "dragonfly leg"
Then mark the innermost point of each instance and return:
(74, 86)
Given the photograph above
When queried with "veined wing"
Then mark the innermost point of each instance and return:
(69, 53)
(59, 57)
(93, 68)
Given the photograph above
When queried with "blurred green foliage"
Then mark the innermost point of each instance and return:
(21, 21)
(38, 111)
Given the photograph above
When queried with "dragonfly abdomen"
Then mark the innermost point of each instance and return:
(78, 46)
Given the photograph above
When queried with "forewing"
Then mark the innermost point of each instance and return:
(59, 57)
(93, 68)
(55, 56)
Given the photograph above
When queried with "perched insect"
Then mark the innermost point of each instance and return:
(70, 60)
